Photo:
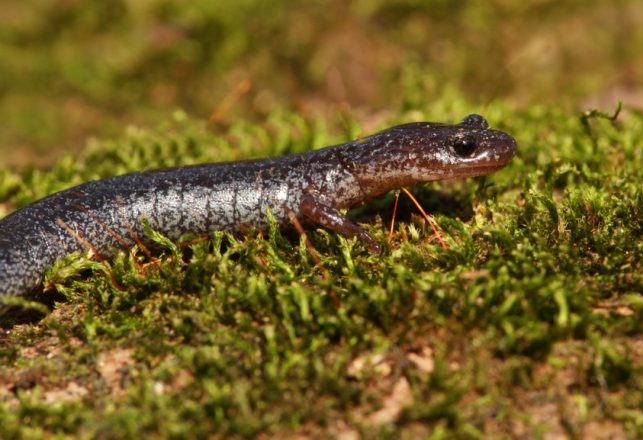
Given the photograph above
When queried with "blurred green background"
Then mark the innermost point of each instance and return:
(72, 69)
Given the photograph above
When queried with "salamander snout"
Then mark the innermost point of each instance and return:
(496, 148)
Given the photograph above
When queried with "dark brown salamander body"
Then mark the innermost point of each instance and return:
(232, 196)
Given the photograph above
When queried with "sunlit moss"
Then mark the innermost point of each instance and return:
(536, 302)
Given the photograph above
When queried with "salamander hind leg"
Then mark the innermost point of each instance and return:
(314, 209)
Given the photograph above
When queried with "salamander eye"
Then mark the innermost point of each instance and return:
(464, 146)
(475, 121)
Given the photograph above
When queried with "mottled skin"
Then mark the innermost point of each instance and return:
(313, 186)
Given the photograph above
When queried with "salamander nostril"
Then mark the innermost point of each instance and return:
(464, 146)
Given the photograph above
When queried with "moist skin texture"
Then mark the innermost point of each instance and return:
(106, 214)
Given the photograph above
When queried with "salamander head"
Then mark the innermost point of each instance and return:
(424, 151)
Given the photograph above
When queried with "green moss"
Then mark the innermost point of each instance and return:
(529, 322)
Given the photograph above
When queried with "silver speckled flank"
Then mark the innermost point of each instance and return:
(235, 196)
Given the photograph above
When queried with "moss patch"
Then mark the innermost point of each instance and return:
(530, 323)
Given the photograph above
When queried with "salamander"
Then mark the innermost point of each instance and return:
(313, 186)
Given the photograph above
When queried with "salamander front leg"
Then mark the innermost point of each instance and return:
(314, 209)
